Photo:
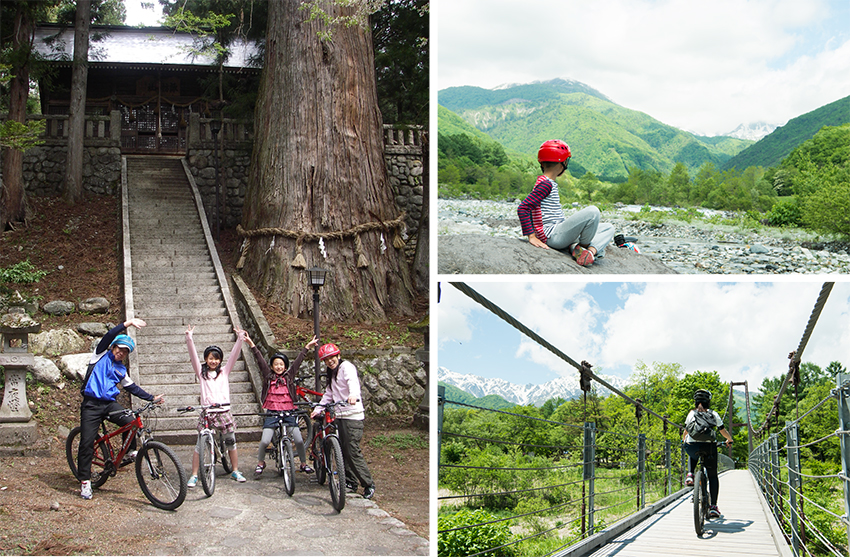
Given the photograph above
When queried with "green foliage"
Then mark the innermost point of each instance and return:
(21, 136)
(22, 272)
(474, 539)
(770, 150)
(785, 212)
(827, 210)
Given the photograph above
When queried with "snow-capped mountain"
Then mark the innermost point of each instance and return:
(564, 387)
(753, 131)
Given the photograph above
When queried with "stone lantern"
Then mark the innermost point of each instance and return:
(17, 428)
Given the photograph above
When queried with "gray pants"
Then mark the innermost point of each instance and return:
(583, 228)
(293, 432)
(350, 435)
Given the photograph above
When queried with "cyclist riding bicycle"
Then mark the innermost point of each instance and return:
(702, 404)
(106, 370)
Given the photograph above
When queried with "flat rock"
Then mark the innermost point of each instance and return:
(480, 254)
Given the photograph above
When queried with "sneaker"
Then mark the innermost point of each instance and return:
(369, 492)
(258, 471)
(193, 481)
(237, 475)
(713, 512)
(582, 256)
(689, 481)
(129, 458)
(306, 469)
(350, 486)
(85, 489)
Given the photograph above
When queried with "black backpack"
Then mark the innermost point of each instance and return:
(703, 427)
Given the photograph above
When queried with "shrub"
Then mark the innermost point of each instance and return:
(785, 212)
(22, 272)
(476, 538)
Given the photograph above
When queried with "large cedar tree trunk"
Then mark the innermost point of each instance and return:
(318, 167)
(13, 201)
(77, 119)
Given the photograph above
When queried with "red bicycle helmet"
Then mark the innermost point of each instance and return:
(553, 150)
(328, 350)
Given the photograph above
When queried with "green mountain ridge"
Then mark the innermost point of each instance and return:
(606, 139)
(771, 149)
(493, 402)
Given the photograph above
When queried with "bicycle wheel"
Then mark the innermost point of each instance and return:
(699, 501)
(101, 464)
(336, 472)
(286, 468)
(160, 475)
(206, 463)
(305, 425)
(225, 458)
(319, 461)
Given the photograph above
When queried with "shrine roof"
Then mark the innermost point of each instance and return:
(136, 46)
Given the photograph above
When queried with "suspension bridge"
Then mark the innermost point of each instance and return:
(623, 494)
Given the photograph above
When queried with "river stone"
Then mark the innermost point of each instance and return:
(58, 307)
(94, 305)
(480, 254)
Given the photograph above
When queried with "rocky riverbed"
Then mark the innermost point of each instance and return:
(690, 248)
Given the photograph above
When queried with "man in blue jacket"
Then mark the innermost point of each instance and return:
(100, 389)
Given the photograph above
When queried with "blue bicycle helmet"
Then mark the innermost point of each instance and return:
(125, 341)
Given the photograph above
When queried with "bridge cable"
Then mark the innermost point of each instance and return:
(794, 357)
(583, 369)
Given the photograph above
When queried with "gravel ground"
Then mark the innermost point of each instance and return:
(695, 248)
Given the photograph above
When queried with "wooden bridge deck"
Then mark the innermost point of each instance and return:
(746, 528)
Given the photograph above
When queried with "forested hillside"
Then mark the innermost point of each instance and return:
(771, 149)
(606, 139)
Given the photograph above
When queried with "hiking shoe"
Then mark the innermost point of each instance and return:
(193, 481)
(258, 471)
(689, 481)
(369, 492)
(713, 512)
(582, 256)
(306, 468)
(237, 475)
(85, 489)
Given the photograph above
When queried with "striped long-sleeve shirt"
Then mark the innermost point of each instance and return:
(541, 210)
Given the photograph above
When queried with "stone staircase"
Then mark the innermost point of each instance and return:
(173, 278)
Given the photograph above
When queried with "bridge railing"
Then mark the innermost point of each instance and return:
(809, 497)
(550, 495)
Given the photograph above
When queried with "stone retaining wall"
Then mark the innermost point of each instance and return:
(393, 381)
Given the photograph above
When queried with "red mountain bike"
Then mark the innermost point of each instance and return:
(158, 470)
(326, 453)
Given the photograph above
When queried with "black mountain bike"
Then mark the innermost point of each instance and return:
(700, 497)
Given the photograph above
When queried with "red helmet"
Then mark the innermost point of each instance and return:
(328, 350)
(553, 150)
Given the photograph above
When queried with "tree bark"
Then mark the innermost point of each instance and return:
(318, 167)
(13, 201)
(77, 119)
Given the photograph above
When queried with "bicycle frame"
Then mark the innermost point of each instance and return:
(117, 459)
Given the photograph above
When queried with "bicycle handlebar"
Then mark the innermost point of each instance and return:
(136, 412)
(185, 409)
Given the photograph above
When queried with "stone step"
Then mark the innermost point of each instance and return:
(173, 325)
(185, 379)
(175, 400)
(143, 299)
(188, 311)
(178, 355)
(168, 342)
(180, 278)
(168, 289)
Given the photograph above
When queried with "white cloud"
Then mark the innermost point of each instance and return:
(707, 66)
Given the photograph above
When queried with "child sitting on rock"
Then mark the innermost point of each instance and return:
(542, 217)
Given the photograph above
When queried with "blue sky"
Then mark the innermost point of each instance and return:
(742, 330)
(701, 66)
